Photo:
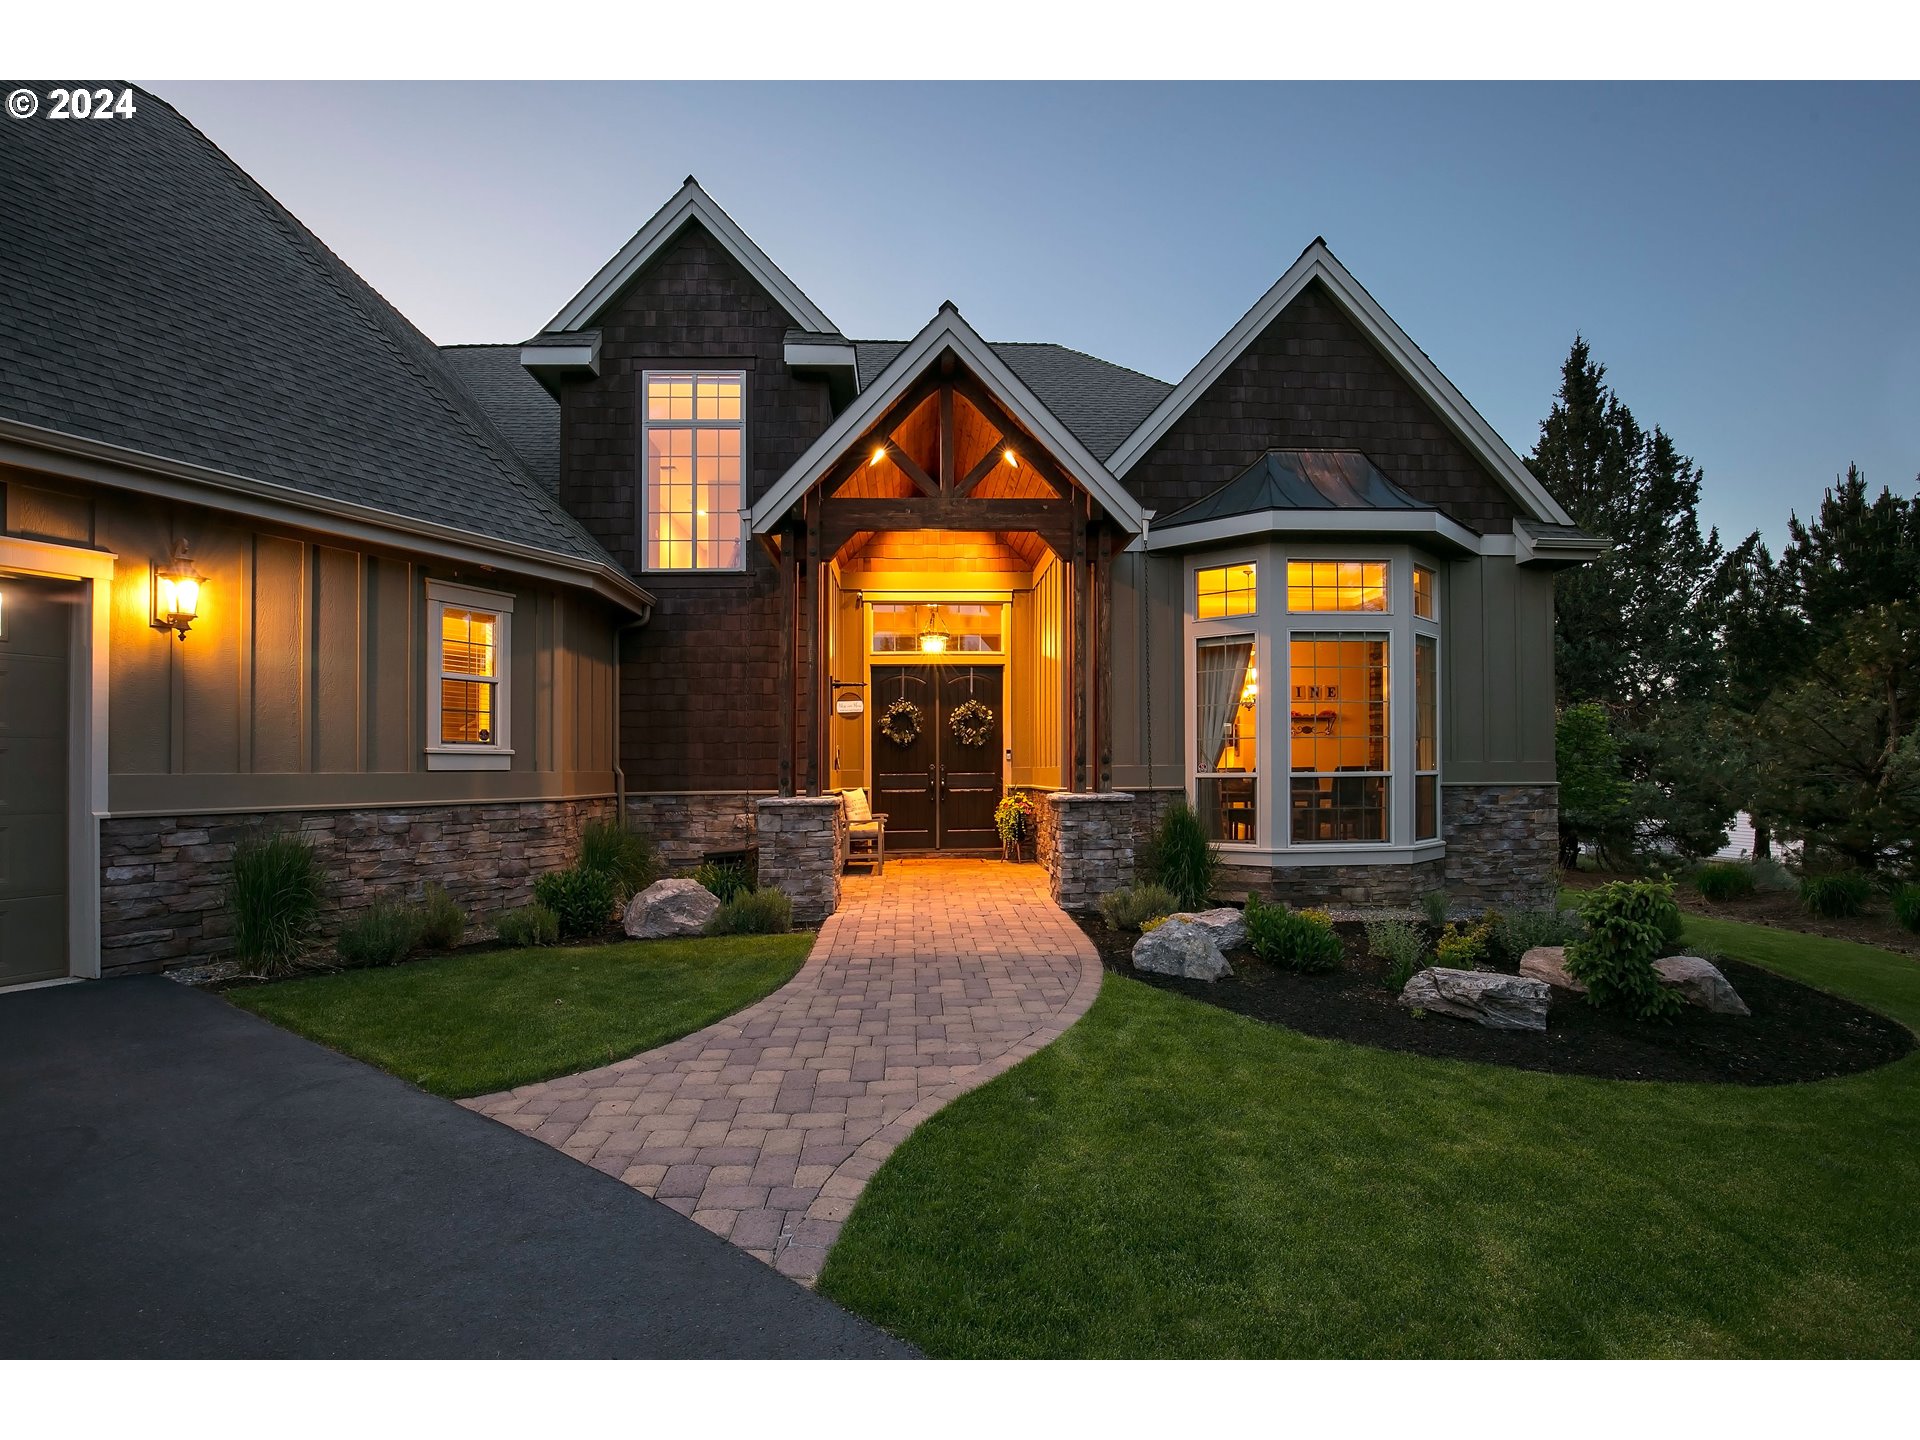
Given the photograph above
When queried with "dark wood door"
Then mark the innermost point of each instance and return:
(906, 777)
(970, 773)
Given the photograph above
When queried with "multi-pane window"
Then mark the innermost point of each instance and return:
(1426, 737)
(1222, 590)
(466, 665)
(1227, 738)
(695, 445)
(939, 629)
(1423, 593)
(1337, 585)
(1339, 788)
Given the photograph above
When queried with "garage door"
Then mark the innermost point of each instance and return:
(36, 625)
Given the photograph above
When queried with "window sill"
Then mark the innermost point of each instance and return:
(462, 759)
(1335, 854)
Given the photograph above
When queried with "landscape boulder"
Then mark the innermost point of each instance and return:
(667, 909)
(1499, 1002)
(1179, 947)
(1549, 963)
(1700, 983)
(1226, 924)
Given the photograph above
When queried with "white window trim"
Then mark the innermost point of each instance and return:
(648, 424)
(1271, 624)
(499, 754)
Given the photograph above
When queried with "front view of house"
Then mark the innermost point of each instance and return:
(272, 559)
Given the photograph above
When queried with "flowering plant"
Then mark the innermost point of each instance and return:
(1014, 818)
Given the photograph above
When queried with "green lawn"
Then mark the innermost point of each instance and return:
(1169, 1179)
(471, 1024)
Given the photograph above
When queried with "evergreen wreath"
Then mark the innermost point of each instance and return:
(900, 722)
(971, 723)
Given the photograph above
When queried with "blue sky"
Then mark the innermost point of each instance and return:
(1742, 257)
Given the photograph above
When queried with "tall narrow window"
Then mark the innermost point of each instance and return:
(1423, 593)
(1426, 737)
(1338, 785)
(694, 489)
(1227, 738)
(467, 702)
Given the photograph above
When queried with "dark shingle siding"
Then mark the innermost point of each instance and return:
(153, 297)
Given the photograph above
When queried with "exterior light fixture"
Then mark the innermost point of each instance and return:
(879, 454)
(1011, 458)
(176, 591)
(934, 636)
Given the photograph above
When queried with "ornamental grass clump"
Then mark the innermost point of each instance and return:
(582, 899)
(443, 924)
(1401, 945)
(1301, 940)
(621, 853)
(753, 912)
(1517, 931)
(1131, 907)
(1434, 905)
(382, 934)
(1629, 923)
(529, 925)
(274, 887)
(1838, 896)
(1181, 858)
(724, 879)
(1721, 880)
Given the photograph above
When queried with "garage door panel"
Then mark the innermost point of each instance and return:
(33, 695)
(36, 621)
(33, 939)
(33, 779)
(28, 865)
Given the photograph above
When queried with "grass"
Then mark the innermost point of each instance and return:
(1169, 1179)
(472, 1024)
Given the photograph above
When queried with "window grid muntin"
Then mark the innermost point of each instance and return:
(1337, 701)
(694, 432)
(1226, 591)
(1339, 587)
(1226, 762)
(469, 676)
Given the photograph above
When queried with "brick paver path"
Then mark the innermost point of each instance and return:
(929, 981)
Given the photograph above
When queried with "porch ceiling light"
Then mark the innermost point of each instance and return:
(1011, 458)
(934, 637)
(176, 591)
(879, 454)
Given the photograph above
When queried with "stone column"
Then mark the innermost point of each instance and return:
(1087, 847)
(802, 847)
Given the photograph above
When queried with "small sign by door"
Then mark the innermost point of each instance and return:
(850, 707)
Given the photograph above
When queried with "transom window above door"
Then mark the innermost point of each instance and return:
(943, 628)
(694, 489)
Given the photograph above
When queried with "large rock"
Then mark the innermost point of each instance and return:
(1549, 963)
(1700, 983)
(1499, 1002)
(669, 908)
(1226, 924)
(1181, 947)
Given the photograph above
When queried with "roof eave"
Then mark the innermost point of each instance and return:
(1428, 526)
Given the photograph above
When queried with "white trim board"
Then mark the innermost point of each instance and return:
(947, 330)
(689, 203)
(1369, 525)
(1316, 262)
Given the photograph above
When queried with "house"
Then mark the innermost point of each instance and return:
(694, 555)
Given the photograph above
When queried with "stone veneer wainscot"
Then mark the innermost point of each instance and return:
(803, 844)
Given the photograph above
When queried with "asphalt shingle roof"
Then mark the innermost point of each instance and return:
(152, 296)
(518, 404)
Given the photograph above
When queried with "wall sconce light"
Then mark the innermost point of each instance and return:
(933, 639)
(176, 591)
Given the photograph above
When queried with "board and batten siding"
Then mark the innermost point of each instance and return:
(303, 682)
(1496, 625)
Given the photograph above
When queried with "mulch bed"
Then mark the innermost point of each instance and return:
(1796, 1033)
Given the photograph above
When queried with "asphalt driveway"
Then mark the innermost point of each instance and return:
(179, 1178)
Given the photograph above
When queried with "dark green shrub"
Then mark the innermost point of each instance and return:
(442, 922)
(1292, 939)
(1838, 896)
(273, 899)
(624, 855)
(725, 878)
(1401, 945)
(382, 934)
(1628, 924)
(1906, 906)
(1517, 931)
(1181, 858)
(1132, 907)
(1434, 905)
(529, 925)
(581, 899)
(753, 912)
(1722, 880)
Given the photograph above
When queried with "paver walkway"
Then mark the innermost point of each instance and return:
(929, 981)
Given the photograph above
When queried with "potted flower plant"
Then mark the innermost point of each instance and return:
(1018, 823)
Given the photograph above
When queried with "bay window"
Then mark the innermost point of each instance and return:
(694, 490)
(1340, 767)
(1226, 694)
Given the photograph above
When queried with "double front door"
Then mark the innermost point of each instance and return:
(936, 758)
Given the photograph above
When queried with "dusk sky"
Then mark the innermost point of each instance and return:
(1742, 257)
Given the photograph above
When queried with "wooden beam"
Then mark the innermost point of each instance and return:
(1103, 658)
(982, 467)
(809, 575)
(946, 440)
(910, 467)
(997, 417)
(1080, 672)
(787, 713)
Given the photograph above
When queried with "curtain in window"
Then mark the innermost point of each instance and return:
(1220, 677)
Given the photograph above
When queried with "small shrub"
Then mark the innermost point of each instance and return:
(753, 912)
(1400, 944)
(725, 879)
(1292, 939)
(1147, 927)
(381, 934)
(580, 898)
(1723, 880)
(529, 925)
(1517, 931)
(442, 922)
(1770, 875)
(1132, 907)
(1181, 858)
(1906, 906)
(1838, 896)
(1434, 906)
(623, 854)
(1464, 947)
(1628, 923)
(273, 899)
